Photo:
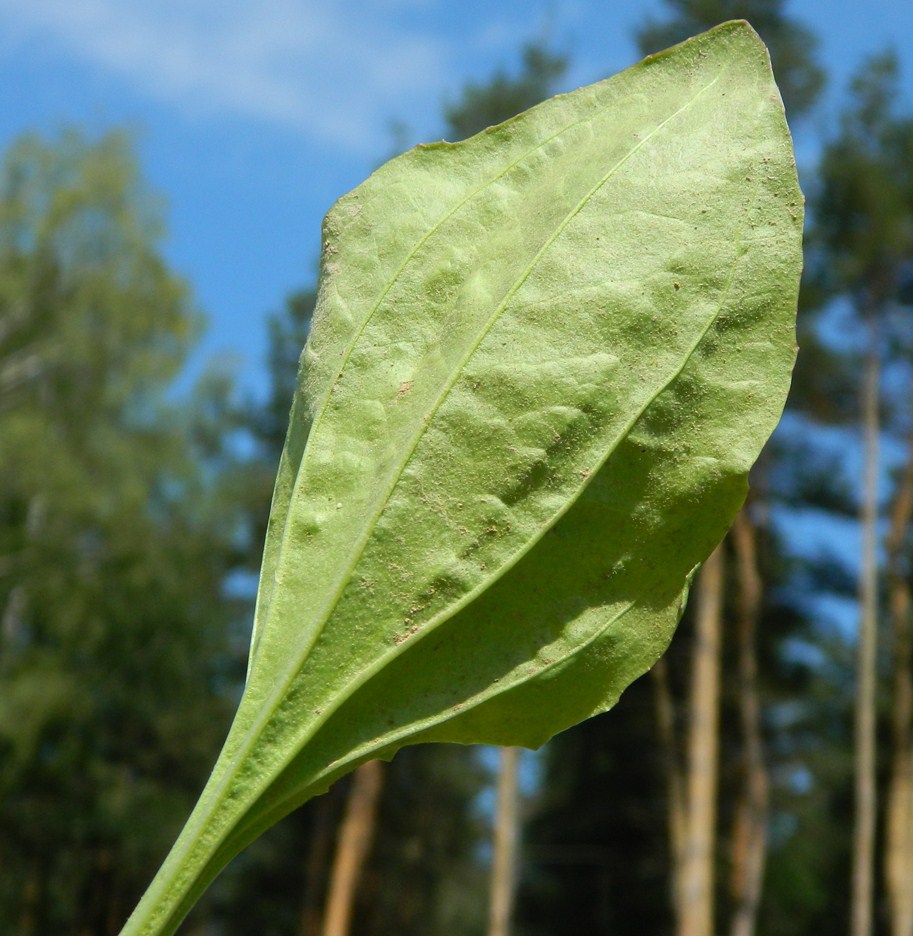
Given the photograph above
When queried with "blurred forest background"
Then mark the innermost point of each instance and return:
(758, 781)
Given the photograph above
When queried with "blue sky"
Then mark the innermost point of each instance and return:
(252, 118)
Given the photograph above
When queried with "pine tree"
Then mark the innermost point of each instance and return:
(800, 80)
(863, 236)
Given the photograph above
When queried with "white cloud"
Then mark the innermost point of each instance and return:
(333, 71)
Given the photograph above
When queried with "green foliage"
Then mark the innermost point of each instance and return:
(595, 848)
(863, 227)
(288, 331)
(583, 322)
(111, 554)
(503, 96)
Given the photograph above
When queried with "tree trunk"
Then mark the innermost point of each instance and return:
(865, 799)
(506, 837)
(750, 839)
(355, 836)
(697, 898)
(665, 720)
(317, 862)
(899, 820)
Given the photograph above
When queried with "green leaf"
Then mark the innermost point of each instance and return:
(542, 363)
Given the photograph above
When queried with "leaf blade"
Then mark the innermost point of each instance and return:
(559, 290)
(407, 375)
(482, 442)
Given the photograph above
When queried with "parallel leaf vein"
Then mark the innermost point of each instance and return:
(368, 672)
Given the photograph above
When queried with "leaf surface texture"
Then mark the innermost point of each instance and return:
(542, 362)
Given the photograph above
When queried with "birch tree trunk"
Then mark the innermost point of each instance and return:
(865, 797)
(750, 839)
(899, 822)
(355, 836)
(697, 897)
(506, 837)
